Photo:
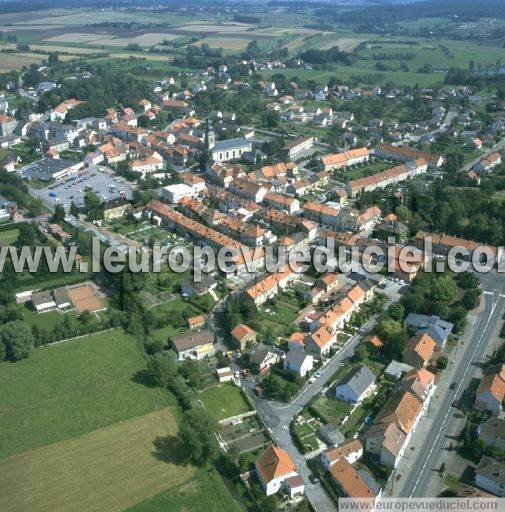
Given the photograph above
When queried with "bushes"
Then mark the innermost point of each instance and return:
(197, 428)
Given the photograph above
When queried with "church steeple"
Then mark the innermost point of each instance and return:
(210, 136)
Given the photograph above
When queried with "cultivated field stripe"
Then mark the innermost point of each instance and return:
(108, 469)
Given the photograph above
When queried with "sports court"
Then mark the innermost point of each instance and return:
(86, 297)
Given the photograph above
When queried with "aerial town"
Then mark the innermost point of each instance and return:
(196, 389)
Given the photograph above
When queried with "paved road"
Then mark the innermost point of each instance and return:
(443, 420)
(277, 417)
(451, 114)
(499, 146)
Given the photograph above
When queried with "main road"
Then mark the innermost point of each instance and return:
(443, 419)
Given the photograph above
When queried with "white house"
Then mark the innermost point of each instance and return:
(350, 449)
(491, 390)
(224, 374)
(355, 385)
(299, 362)
(273, 468)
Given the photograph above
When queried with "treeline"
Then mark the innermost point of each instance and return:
(382, 15)
(246, 18)
(333, 54)
(394, 56)
(128, 25)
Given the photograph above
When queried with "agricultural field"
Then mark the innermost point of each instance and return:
(72, 388)
(63, 49)
(224, 401)
(17, 61)
(109, 40)
(346, 44)
(456, 53)
(108, 469)
(83, 428)
(78, 17)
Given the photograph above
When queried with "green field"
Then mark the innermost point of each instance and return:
(205, 493)
(8, 237)
(72, 388)
(224, 401)
(108, 469)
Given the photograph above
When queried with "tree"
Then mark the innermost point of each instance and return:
(404, 214)
(468, 280)
(197, 435)
(133, 47)
(92, 203)
(28, 235)
(442, 363)
(471, 299)
(394, 335)
(458, 318)
(163, 367)
(74, 210)
(396, 311)
(445, 289)
(190, 370)
(59, 213)
(53, 58)
(18, 339)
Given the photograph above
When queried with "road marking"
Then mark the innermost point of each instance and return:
(493, 307)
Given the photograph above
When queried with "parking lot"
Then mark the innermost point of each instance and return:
(101, 180)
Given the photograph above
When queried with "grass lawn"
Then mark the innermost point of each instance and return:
(205, 493)
(109, 469)
(224, 401)
(9, 236)
(280, 314)
(72, 388)
(46, 321)
(361, 171)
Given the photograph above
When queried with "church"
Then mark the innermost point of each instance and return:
(228, 149)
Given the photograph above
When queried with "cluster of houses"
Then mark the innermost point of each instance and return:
(490, 472)
(387, 438)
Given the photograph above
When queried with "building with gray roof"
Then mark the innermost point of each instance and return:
(438, 329)
(230, 149)
(355, 385)
(492, 432)
(490, 476)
